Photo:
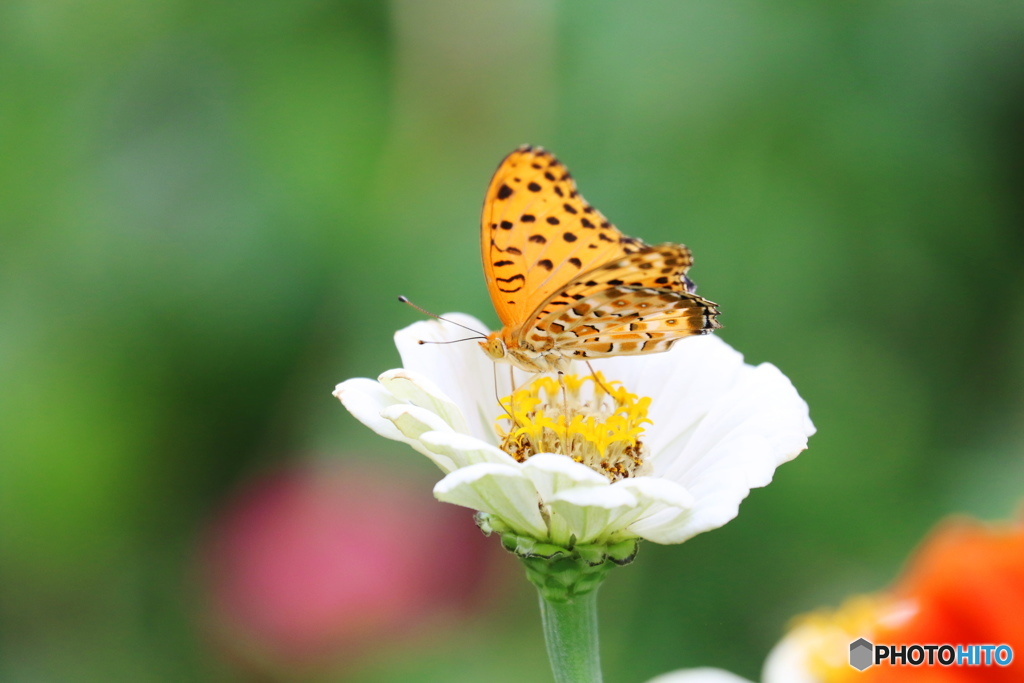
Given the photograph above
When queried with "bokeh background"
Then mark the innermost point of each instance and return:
(207, 210)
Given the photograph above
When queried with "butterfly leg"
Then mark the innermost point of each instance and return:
(497, 394)
(596, 378)
(512, 395)
(565, 411)
(511, 410)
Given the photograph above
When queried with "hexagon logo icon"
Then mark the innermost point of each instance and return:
(860, 654)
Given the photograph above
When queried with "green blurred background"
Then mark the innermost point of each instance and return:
(208, 209)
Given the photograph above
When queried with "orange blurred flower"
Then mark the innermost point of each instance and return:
(964, 586)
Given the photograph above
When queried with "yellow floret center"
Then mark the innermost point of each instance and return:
(825, 636)
(590, 419)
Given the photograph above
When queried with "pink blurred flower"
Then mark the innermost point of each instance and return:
(316, 564)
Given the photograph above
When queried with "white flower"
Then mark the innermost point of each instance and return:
(663, 470)
(706, 675)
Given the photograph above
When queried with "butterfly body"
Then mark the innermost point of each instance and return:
(567, 284)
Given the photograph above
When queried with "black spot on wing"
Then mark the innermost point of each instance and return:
(509, 281)
(504, 192)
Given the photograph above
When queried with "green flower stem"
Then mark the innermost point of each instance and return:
(567, 580)
(570, 630)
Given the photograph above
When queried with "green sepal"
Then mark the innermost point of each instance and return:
(560, 573)
(623, 552)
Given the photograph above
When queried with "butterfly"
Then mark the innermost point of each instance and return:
(567, 284)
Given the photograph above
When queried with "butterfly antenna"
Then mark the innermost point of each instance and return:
(434, 315)
(451, 341)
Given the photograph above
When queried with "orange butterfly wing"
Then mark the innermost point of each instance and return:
(538, 234)
(566, 283)
(640, 303)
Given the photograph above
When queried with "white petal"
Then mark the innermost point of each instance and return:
(763, 403)
(787, 662)
(412, 422)
(501, 490)
(660, 491)
(365, 399)
(717, 497)
(593, 513)
(461, 371)
(368, 401)
(655, 497)
(704, 675)
(683, 383)
(552, 473)
(723, 443)
(664, 526)
(419, 390)
(464, 449)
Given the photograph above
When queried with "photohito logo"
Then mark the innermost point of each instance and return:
(860, 654)
(863, 654)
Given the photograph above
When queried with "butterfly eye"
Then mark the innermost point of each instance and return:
(494, 347)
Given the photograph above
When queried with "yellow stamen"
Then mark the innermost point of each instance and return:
(597, 427)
